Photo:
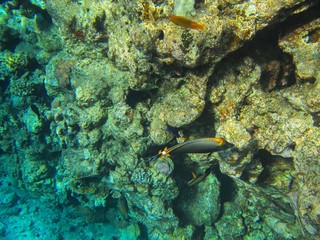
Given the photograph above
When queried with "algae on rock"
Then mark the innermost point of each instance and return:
(183, 7)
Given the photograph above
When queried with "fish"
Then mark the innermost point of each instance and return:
(196, 179)
(201, 145)
(186, 22)
(123, 207)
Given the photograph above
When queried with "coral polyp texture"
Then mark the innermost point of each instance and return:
(93, 91)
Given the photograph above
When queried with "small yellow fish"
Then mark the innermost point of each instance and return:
(186, 23)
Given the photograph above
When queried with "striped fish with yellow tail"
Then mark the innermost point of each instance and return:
(201, 145)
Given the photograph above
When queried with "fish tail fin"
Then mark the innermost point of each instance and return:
(201, 26)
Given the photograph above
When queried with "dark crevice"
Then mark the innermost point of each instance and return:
(31, 66)
(311, 80)
(277, 67)
(44, 21)
(143, 232)
(4, 85)
(161, 35)
(269, 162)
(271, 34)
(99, 22)
(182, 173)
(134, 97)
(228, 187)
(204, 126)
(199, 4)
(198, 233)
(10, 39)
(316, 119)
(35, 109)
(72, 25)
(72, 200)
(314, 36)
(96, 215)
(40, 92)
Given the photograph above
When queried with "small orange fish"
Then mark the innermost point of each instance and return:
(186, 23)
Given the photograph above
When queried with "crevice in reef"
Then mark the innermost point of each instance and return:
(273, 166)
(228, 189)
(4, 85)
(14, 39)
(143, 232)
(316, 119)
(199, 4)
(203, 126)
(277, 67)
(271, 34)
(181, 174)
(134, 97)
(198, 233)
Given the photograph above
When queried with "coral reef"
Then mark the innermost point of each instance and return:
(201, 204)
(91, 89)
(183, 7)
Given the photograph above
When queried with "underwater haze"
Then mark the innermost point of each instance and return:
(160, 119)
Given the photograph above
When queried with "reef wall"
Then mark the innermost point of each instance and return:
(91, 89)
